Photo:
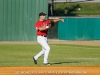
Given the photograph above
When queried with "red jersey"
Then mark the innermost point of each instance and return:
(42, 24)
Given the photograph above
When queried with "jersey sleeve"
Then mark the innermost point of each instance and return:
(38, 25)
(48, 21)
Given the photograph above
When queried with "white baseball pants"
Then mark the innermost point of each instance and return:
(45, 48)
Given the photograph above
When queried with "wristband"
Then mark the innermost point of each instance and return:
(47, 26)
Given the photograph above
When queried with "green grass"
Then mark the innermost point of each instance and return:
(60, 55)
(86, 8)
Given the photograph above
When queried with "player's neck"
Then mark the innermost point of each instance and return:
(41, 20)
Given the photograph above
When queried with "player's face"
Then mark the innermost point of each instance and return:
(42, 17)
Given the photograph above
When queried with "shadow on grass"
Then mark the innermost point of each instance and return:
(64, 62)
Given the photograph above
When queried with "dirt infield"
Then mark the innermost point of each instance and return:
(55, 41)
(49, 70)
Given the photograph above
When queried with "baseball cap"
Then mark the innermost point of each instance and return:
(42, 13)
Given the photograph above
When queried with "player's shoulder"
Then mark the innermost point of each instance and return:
(38, 22)
(48, 20)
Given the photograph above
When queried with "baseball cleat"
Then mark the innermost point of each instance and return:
(47, 64)
(35, 61)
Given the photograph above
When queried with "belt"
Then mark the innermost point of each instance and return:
(42, 35)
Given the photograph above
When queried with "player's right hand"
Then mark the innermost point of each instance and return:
(49, 26)
(62, 20)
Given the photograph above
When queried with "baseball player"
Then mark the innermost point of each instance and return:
(42, 27)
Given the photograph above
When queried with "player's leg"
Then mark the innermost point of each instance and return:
(46, 54)
(39, 54)
(44, 44)
(46, 49)
(40, 40)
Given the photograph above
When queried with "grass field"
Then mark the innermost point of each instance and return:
(86, 8)
(60, 55)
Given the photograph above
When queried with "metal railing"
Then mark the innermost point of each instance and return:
(56, 1)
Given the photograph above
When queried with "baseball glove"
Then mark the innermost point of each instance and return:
(52, 23)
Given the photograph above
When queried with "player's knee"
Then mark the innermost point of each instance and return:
(48, 48)
(43, 51)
